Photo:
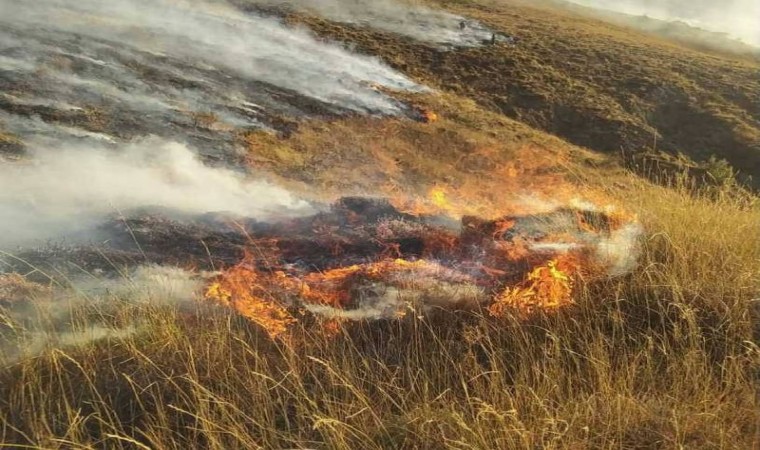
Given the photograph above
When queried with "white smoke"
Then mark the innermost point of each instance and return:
(412, 292)
(62, 56)
(221, 37)
(34, 343)
(148, 285)
(72, 187)
(415, 21)
(42, 131)
(62, 318)
(617, 250)
(739, 19)
(620, 251)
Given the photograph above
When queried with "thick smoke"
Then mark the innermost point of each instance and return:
(80, 78)
(70, 188)
(415, 21)
(150, 67)
(739, 19)
(261, 48)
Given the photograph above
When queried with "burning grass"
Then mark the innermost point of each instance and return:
(502, 315)
(243, 290)
(366, 259)
(663, 354)
(546, 288)
(664, 357)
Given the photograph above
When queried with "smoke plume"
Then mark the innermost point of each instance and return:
(213, 32)
(71, 187)
(154, 56)
(34, 318)
(81, 78)
(415, 21)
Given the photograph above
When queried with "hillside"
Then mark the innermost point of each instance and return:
(596, 85)
(286, 224)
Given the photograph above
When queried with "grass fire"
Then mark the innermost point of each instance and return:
(365, 259)
(386, 224)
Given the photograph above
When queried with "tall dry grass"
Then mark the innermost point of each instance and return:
(666, 357)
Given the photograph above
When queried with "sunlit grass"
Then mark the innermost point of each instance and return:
(664, 357)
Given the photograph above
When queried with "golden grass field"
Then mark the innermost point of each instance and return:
(667, 356)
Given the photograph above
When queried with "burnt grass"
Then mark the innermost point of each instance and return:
(353, 230)
(664, 357)
(64, 92)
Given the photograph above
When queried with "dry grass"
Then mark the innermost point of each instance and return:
(594, 84)
(480, 157)
(10, 145)
(666, 357)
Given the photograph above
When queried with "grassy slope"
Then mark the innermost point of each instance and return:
(663, 357)
(680, 32)
(596, 85)
(480, 157)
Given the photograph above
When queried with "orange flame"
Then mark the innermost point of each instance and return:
(428, 116)
(254, 294)
(333, 286)
(547, 287)
(436, 202)
(486, 254)
(438, 197)
(243, 289)
(331, 327)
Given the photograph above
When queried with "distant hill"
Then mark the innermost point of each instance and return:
(686, 33)
(737, 19)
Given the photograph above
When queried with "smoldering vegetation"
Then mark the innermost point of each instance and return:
(66, 190)
(77, 294)
(128, 112)
(381, 261)
(395, 16)
(199, 70)
(316, 238)
(104, 105)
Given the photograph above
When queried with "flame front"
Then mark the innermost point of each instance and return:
(377, 259)
(333, 287)
(242, 289)
(252, 293)
(546, 287)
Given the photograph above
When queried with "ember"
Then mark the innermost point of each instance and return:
(429, 116)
